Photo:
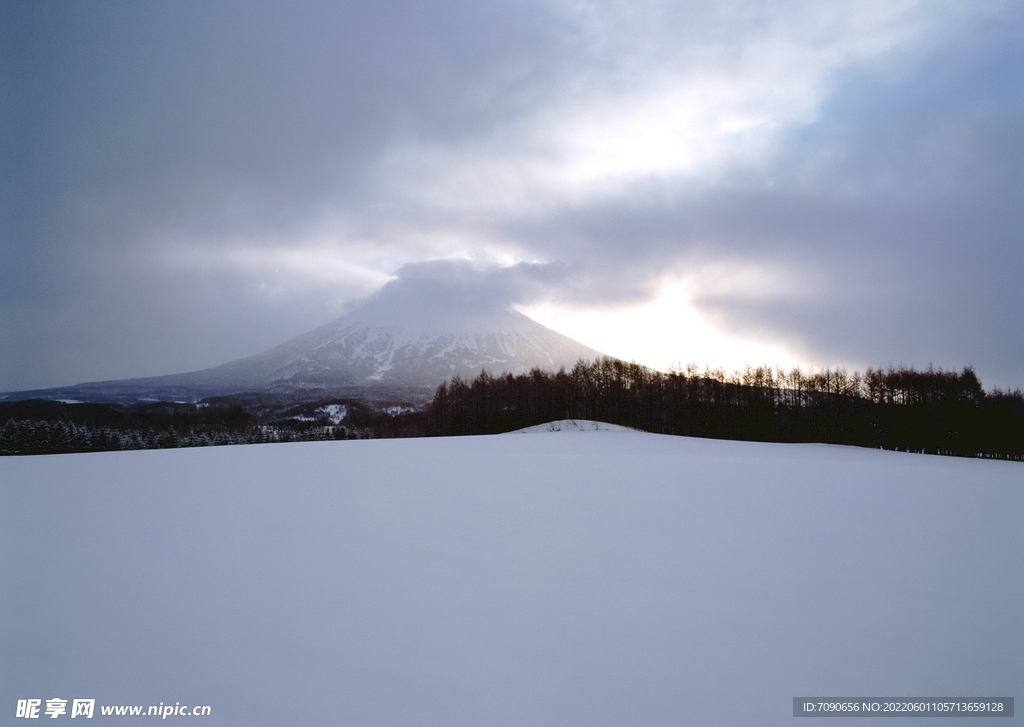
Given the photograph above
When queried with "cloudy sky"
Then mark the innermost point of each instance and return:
(710, 181)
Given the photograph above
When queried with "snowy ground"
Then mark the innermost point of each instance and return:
(573, 425)
(599, 578)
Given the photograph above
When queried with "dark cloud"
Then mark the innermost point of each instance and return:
(177, 177)
(899, 206)
(463, 283)
(910, 208)
(237, 114)
(135, 126)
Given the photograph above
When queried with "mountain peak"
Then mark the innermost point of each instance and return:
(412, 309)
(403, 341)
(405, 336)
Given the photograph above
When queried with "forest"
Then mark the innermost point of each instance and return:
(932, 411)
(53, 427)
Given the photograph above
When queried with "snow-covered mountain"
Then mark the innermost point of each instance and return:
(405, 340)
(401, 343)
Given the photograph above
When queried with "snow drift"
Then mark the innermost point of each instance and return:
(600, 578)
(573, 425)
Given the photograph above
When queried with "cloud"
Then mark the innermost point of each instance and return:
(472, 285)
(188, 184)
(661, 97)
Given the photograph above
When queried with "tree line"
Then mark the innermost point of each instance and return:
(44, 427)
(933, 411)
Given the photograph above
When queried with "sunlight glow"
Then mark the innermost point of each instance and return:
(668, 331)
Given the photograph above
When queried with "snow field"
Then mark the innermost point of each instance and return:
(604, 578)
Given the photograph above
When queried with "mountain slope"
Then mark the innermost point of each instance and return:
(382, 343)
(401, 343)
